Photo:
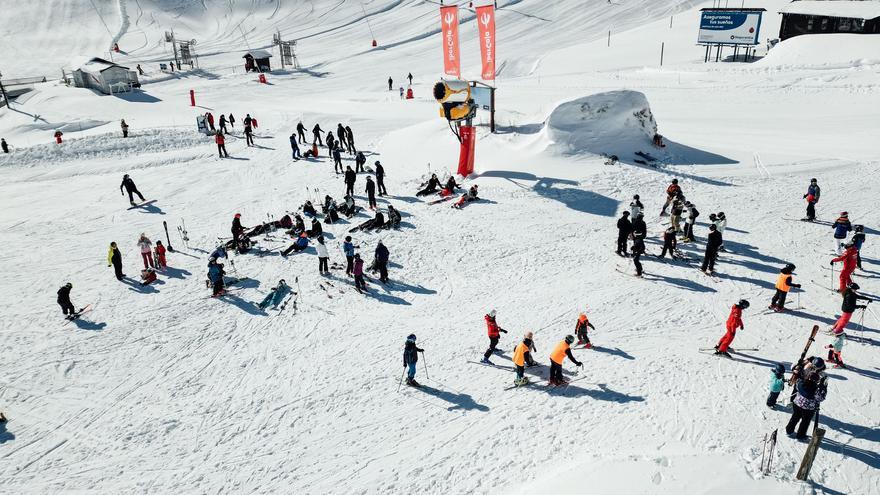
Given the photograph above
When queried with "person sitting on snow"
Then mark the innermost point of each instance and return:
(148, 276)
(450, 187)
(393, 218)
(309, 209)
(430, 187)
(467, 197)
(302, 242)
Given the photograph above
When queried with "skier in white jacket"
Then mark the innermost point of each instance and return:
(720, 222)
(146, 246)
(323, 256)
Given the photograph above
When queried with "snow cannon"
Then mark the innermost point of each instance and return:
(454, 97)
(456, 105)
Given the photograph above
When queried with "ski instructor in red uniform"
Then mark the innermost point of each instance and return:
(734, 321)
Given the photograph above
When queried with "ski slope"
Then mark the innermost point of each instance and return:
(163, 389)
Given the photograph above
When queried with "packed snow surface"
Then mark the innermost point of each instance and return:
(163, 389)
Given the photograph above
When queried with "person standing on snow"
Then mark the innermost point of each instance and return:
(557, 357)
(841, 227)
(380, 180)
(720, 222)
(677, 211)
(146, 246)
(130, 188)
(210, 118)
(638, 249)
(410, 359)
(835, 349)
(349, 140)
(371, 192)
(248, 133)
(734, 322)
(850, 260)
(215, 276)
(223, 124)
(713, 244)
(160, 256)
(409, 76)
(4, 146)
(382, 254)
(390, 83)
(624, 229)
(777, 385)
(690, 221)
(811, 391)
(237, 230)
(671, 192)
(275, 296)
(358, 272)
(337, 159)
(494, 332)
(340, 135)
(124, 127)
(301, 132)
(850, 304)
(580, 329)
(294, 148)
(784, 283)
(521, 357)
(221, 145)
(635, 207)
(316, 135)
(812, 197)
(323, 256)
(64, 300)
(331, 141)
(114, 259)
(669, 243)
(857, 240)
(350, 178)
(231, 120)
(639, 229)
(359, 161)
(348, 250)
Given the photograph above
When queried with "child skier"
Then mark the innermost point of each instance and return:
(275, 296)
(521, 357)
(812, 197)
(669, 243)
(494, 332)
(635, 207)
(348, 250)
(841, 228)
(557, 357)
(146, 246)
(734, 321)
(160, 256)
(64, 300)
(148, 276)
(777, 384)
(857, 240)
(580, 329)
(671, 193)
(358, 272)
(410, 359)
(784, 283)
(323, 256)
(834, 350)
(215, 275)
(850, 304)
(850, 260)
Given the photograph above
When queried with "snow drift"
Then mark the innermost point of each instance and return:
(616, 122)
(832, 51)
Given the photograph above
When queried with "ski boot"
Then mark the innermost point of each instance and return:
(723, 353)
(412, 382)
(521, 381)
(485, 360)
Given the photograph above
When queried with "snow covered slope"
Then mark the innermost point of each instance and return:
(162, 389)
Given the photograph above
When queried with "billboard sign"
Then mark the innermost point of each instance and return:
(729, 27)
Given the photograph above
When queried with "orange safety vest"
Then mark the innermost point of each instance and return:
(782, 282)
(558, 354)
(519, 354)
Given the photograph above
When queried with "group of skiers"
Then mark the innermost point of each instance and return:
(250, 123)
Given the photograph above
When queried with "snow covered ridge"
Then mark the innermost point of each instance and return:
(827, 51)
(615, 122)
(106, 145)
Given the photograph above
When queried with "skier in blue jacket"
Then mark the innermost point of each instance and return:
(841, 227)
(410, 358)
(348, 249)
(215, 275)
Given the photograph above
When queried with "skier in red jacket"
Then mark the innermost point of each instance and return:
(850, 259)
(734, 321)
(494, 332)
(221, 144)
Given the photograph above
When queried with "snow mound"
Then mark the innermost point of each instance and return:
(616, 122)
(831, 51)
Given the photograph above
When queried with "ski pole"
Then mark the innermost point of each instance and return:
(400, 382)
(832, 277)
(425, 363)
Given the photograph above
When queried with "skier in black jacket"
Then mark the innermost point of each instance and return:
(430, 187)
(64, 300)
(301, 133)
(713, 242)
(349, 138)
(669, 243)
(337, 159)
(624, 228)
(350, 178)
(371, 192)
(237, 230)
(640, 230)
(359, 161)
(340, 135)
(130, 188)
(638, 250)
(410, 359)
(380, 179)
(316, 132)
(382, 262)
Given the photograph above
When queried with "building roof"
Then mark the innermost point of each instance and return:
(96, 64)
(861, 9)
(258, 54)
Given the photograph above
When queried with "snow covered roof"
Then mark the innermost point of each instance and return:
(96, 64)
(862, 9)
(258, 54)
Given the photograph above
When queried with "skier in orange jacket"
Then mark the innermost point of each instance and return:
(557, 357)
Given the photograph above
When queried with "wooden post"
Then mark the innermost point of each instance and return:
(807, 462)
(662, 47)
(492, 115)
(609, 37)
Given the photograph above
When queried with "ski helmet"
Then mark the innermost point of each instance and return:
(849, 244)
(675, 181)
(859, 228)
(530, 335)
(377, 162)
(411, 337)
(712, 216)
(853, 286)
(68, 285)
(282, 282)
(348, 238)
(813, 180)
(844, 213)
(721, 214)
(818, 363)
(492, 313)
(713, 228)
(743, 304)
(790, 267)
(626, 213)
(636, 196)
(779, 368)
(125, 176)
(238, 215)
(569, 339)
